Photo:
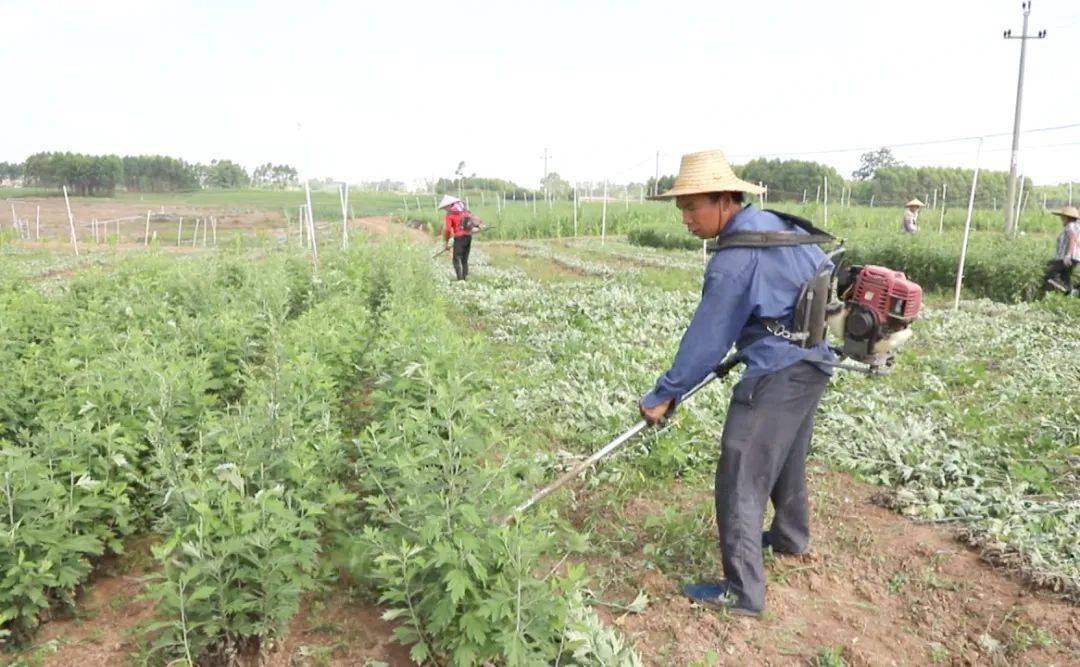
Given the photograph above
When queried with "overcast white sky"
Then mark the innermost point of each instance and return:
(404, 90)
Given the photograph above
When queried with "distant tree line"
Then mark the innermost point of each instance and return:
(880, 178)
(101, 175)
(11, 171)
(466, 183)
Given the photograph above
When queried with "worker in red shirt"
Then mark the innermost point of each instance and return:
(460, 224)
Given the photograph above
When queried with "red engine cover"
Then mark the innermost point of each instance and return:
(887, 293)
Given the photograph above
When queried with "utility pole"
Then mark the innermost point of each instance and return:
(1010, 207)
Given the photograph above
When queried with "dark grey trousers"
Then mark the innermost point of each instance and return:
(762, 457)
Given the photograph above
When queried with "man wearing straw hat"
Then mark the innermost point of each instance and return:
(911, 216)
(1059, 270)
(770, 417)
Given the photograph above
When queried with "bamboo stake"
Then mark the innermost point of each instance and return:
(967, 228)
(343, 193)
(941, 212)
(311, 227)
(603, 217)
(71, 222)
(146, 234)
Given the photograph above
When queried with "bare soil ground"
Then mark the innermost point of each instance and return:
(331, 629)
(132, 218)
(875, 589)
(126, 221)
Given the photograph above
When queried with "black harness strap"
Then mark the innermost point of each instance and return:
(774, 239)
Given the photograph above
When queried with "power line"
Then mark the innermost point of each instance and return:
(908, 144)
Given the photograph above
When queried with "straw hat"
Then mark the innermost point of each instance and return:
(914, 202)
(704, 172)
(1068, 212)
(447, 200)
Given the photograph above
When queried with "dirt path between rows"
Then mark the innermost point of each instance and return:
(876, 589)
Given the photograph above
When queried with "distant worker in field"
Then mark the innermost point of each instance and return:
(460, 225)
(748, 300)
(1059, 270)
(911, 216)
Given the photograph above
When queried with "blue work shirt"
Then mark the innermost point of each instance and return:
(743, 286)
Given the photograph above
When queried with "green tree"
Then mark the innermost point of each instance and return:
(86, 175)
(278, 176)
(554, 186)
(870, 162)
(227, 174)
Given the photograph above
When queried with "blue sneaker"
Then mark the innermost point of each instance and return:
(716, 596)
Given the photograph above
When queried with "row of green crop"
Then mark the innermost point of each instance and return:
(275, 479)
(208, 398)
(998, 267)
(85, 370)
(557, 220)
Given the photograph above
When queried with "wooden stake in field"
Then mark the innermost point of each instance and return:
(817, 196)
(967, 228)
(179, 231)
(941, 218)
(804, 195)
(1019, 202)
(761, 196)
(533, 203)
(303, 225)
(195, 238)
(825, 223)
(15, 220)
(37, 224)
(871, 200)
(146, 234)
(575, 211)
(311, 227)
(343, 194)
(213, 226)
(71, 222)
(933, 204)
(603, 217)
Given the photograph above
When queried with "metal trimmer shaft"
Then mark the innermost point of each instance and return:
(721, 371)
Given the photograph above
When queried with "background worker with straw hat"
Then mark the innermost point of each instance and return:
(460, 225)
(771, 414)
(1059, 270)
(911, 216)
